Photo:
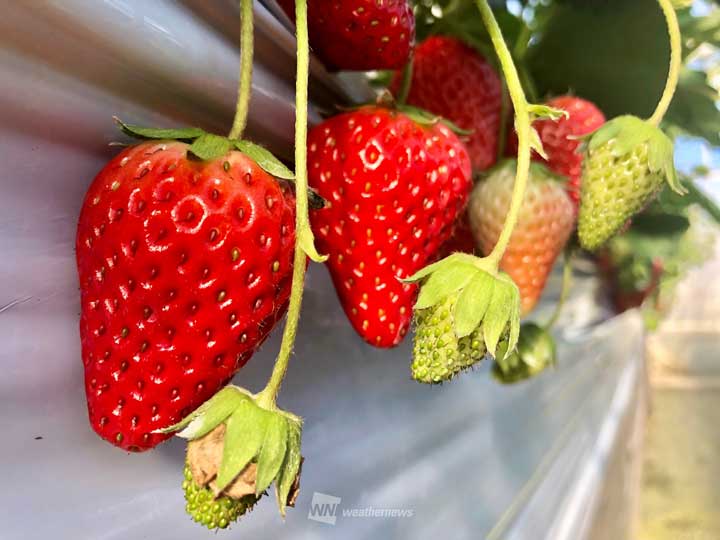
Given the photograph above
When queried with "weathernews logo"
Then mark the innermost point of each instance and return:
(325, 509)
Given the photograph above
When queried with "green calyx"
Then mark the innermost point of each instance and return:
(485, 304)
(209, 510)
(252, 439)
(627, 133)
(207, 146)
(426, 118)
(535, 352)
(420, 116)
(628, 161)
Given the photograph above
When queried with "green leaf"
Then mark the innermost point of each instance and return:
(140, 132)
(290, 466)
(472, 303)
(209, 146)
(209, 415)
(443, 282)
(244, 435)
(272, 453)
(498, 314)
(265, 160)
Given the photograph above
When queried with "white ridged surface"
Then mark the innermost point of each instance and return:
(464, 456)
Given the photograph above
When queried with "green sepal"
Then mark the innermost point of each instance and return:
(290, 466)
(500, 314)
(536, 143)
(265, 160)
(272, 453)
(140, 132)
(209, 146)
(540, 112)
(627, 132)
(434, 267)
(486, 297)
(545, 112)
(269, 437)
(426, 118)
(210, 414)
(444, 281)
(472, 303)
(244, 435)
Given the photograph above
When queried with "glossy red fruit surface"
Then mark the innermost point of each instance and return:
(453, 80)
(359, 35)
(395, 188)
(184, 269)
(561, 141)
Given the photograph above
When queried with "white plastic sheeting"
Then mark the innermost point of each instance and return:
(468, 458)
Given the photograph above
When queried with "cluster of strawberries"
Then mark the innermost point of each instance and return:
(185, 242)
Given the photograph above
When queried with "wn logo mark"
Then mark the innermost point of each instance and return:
(323, 508)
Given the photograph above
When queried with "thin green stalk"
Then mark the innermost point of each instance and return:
(522, 126)
(246, 66)
(268, 395)
(675, 62)
(504, 108)
(564, 291)
(406, 82)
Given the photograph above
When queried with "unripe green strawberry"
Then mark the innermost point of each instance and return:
(210, 511)
(438, 354)
(465, 308)
(627, 162)
(536, 351)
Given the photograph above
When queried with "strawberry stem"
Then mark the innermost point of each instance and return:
(303, 241)
(246, 66)
(675, 62)
(406, 82)
(564, 290)
(522, 126)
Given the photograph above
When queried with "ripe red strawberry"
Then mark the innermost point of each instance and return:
(394, 188)
(359, 35)
(545, 223)
(560, 139)
(184, 269)
(453, 80)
